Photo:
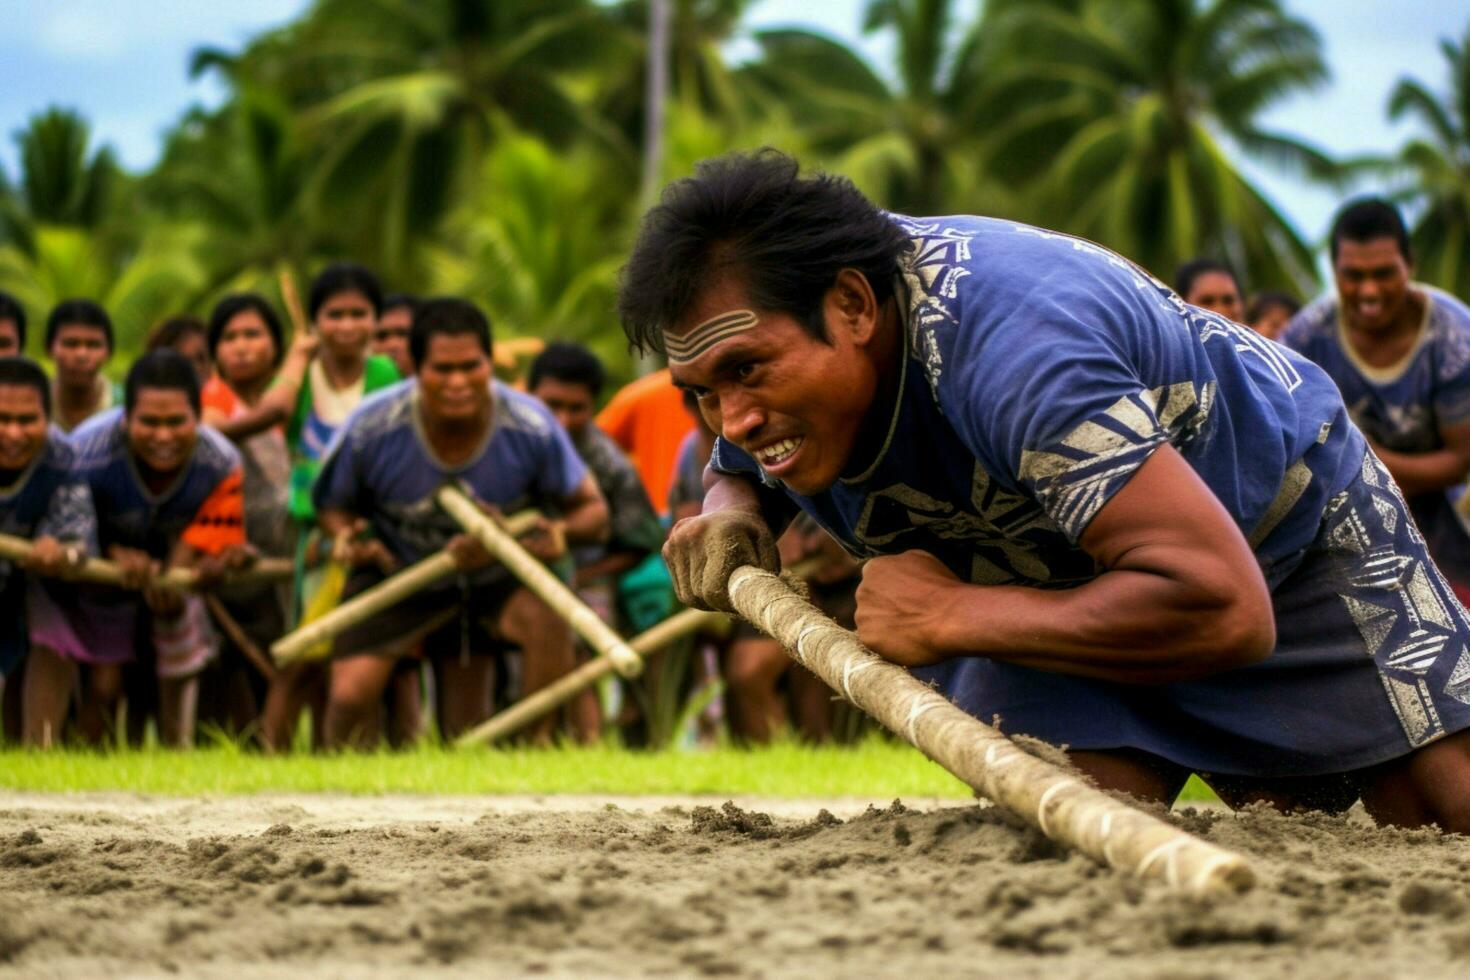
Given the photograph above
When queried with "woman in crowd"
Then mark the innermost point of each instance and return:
(343, 304)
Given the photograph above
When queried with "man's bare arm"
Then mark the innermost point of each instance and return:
(1181, 595)
(1417, 473)
(585, 514)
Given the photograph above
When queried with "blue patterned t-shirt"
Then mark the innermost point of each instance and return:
(379, 467)
(1042, 370)
(1403, 407)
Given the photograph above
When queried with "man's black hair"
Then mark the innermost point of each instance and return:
(1367, 218)
(176, 328)
(10, 309)
(571, 363)
(1263, 301)
(344, 277)
(165, 369)
(783, 236)
(393, 301)
(232, 306)
(78, 312)
(1187, 273)
(26, 373)
(447, 316)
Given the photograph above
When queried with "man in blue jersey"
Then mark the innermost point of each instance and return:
(1400, 353)
(1119, 522)
(168, 494)
(451, 424)
(43, 501)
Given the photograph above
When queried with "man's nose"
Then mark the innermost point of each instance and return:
(740, 419)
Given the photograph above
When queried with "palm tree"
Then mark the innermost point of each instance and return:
(237, 181)
(61, 181)
(401, 98)
(1121, 115)
(538, 243)
(1438, 165)
(910, 144)
(137, 291)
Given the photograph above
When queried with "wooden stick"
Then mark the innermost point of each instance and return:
(389, 592)
(237, 636)
(647, 644)
(291, 299)
(536, 577)
(100, 571)
(539, 703)
(1061, 805)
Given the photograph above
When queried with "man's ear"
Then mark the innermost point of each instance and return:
(851, 306)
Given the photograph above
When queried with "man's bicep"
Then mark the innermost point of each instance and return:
(1165, 516)
(1457, 439)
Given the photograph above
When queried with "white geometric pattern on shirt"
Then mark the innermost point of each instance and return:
(1407, 614)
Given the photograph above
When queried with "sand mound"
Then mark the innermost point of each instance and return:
(144, 887)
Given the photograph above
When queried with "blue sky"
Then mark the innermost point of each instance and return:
(123, 63)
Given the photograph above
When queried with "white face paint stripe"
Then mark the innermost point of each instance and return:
(682, 350)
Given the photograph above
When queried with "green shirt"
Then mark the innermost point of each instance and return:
(308, 434)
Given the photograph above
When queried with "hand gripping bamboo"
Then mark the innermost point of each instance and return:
(391, 591)
(100, 571)
(1060, 805)
(563, 689)
(536, 577)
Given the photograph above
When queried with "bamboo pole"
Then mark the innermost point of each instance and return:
(237, 636)
(100, 571)
(294, 645)
(646, 644)
(1061, 805)
(546, 586)
(539, 703)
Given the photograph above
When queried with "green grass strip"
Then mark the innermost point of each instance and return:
(876, 767)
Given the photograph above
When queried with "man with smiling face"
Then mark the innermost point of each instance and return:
(452, 423)
(1400, 353)
(168, 495)
(1119, 522)
(42, 500)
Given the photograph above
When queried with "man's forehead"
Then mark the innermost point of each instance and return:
(1384, 249)
(693, 343)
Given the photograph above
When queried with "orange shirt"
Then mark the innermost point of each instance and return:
(647, 418)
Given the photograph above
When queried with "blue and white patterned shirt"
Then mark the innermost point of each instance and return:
(1404, 406)
(1042, 370)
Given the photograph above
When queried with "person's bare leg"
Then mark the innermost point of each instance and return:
(753, 665)
(1430, 785)
(585, 715)
(289, 692)
(546, 645)
(97, 709)
(465, 686)
(405, 704)
(12, 697)
(355, 693)
(178, 707)
(1139, 774)
(50, 682)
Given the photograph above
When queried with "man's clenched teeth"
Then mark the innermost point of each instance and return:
(778, 451)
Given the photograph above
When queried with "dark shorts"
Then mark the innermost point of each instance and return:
(452, 618)
(13, 638)
(1372, 661)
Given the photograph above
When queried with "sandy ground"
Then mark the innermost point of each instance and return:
(285, 886)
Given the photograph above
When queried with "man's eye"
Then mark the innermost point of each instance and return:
(745, 371)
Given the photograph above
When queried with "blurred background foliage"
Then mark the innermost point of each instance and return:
(492, 148)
